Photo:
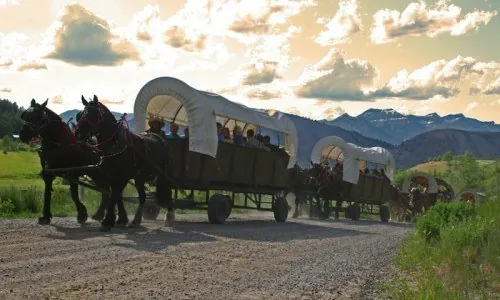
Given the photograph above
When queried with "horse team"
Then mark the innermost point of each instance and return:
(119, 156)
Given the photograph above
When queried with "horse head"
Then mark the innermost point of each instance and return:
(36, 118)
(92, 119)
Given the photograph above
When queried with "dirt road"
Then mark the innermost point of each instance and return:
(249, 257)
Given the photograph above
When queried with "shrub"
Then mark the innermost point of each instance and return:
(441, 215)
(7, 208)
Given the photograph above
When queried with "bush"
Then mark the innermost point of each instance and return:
(7, 208)
(441, 215)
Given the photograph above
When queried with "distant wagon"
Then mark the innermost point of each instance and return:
(230, 176)
(369, 193)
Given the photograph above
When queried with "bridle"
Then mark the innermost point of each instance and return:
(84, 116)
(37, 129)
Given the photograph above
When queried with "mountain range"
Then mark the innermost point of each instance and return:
(411, 139)
(393, 127)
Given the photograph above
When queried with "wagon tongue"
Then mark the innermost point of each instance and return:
(74, 169)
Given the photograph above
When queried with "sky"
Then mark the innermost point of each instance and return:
(314, 58)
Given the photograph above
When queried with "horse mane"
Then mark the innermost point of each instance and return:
(52, 114)
(107, 111)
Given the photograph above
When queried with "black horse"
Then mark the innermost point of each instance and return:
(60, 150)
(301, 183)
(329, 184)
(128, 156)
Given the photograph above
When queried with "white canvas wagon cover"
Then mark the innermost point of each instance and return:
(333, 147)
(173, 99)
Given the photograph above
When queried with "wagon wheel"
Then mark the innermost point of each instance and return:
(219, 208)
(151, 211)
(353, 212)
(280, 209)
(385, 213)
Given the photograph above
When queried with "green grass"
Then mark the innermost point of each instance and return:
(22, 165)
(461, 262)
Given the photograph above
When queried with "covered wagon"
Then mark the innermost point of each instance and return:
(369, 192)
(229, 175)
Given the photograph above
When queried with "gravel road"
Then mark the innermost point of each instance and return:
(249, 257)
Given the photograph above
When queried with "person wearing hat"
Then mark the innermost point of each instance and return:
(155, 126)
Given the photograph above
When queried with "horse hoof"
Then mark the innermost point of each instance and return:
(44, 221)
(82, 219)
(170, 220)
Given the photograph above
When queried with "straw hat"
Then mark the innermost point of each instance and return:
(156, 119)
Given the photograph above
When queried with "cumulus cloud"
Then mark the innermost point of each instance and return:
(419, 19)
(261, 16)
(32, 65)
(177, 38)
(337, 78)
(243, 20)
(147, 23)
(5, 63)
(81, 38)
(15, 55)
(344, 24)
(5, 89)
(263, 94)
(492, 88)
(439, 78)
(260, 72)
(332, 113)
(57, 99)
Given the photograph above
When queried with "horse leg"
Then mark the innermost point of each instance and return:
(80, 208)
(337, 210)
(297, 203)
(99, 214)
(164, 191)
(139, 183)
(46, 215)
(122, 213)
(116, 194)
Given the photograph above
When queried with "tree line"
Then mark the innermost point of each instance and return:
(10, 118)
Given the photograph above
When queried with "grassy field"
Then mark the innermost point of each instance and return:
(19, 166)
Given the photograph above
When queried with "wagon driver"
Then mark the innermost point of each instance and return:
(155, 126)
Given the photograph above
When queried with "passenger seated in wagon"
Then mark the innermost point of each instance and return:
(267, 143)
(172, 135)
(155, 126)
(227, 135)
(254, 142)
(220, 135)
(238, 138)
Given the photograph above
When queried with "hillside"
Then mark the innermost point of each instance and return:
(430, 144)
(393, 127)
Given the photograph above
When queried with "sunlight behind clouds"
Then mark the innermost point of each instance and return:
(264, 53)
